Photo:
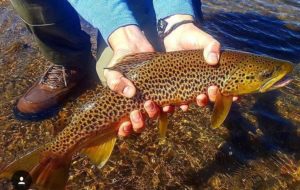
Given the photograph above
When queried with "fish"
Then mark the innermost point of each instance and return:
(172, 78)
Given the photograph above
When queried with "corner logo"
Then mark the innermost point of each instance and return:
(21, 180)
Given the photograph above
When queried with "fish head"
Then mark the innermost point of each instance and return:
(257, 74)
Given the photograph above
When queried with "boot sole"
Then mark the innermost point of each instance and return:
(50, 112)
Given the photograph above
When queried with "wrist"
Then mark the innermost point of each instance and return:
(177, 18)
(121, 37)
(181, 36)
(169, 25)
(130, 39)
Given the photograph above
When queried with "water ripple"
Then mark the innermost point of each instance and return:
(264, 27)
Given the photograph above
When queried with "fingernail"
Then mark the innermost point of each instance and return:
(136, 118)
(166, 108)
(235, 98)
(201, 101)
(184, 108)
(212, 90)
(213, 57)
(150, 106)
(127, 128)
(127, 91)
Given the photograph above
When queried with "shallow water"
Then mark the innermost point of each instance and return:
(258, 147)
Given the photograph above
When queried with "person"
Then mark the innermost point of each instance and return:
(56, 28)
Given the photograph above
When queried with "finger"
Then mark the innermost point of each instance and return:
(125, 129)
(168, 109)
(211, 52)
(202, 100)
(184, 107)
(235, 98)
(137, 121)
(212, 93)
(118, 83)
(151, 109)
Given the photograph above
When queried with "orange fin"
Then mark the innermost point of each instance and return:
(47, 171)
(54, 175)
(99, 154)
(221, 109)
(31, 159)
(127, 62)
(163, 125)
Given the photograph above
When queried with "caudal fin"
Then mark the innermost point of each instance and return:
(47, 171)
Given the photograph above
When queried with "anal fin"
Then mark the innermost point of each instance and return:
(221, 110)
(100, 153)
(163, 125)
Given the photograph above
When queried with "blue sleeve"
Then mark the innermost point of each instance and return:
(165, 8)
(105, 15)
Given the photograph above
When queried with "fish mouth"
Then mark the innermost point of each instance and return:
(276, 83)
(281, 83)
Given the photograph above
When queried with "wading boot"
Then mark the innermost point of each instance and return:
(43, 98)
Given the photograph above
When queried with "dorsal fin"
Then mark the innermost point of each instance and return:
(138, 57)
(130, 61)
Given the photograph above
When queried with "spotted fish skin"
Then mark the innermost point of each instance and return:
(172, 78)
(166, 79)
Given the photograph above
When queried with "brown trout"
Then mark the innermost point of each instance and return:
(172, 78)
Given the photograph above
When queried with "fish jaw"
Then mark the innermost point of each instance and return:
(278, 84)
(257, 74)
(278, 81)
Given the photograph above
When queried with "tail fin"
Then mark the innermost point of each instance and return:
(47, 171)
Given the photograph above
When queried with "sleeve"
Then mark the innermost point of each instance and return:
(105, 15)
(165, 8)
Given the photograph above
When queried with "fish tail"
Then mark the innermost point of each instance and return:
(47, 170)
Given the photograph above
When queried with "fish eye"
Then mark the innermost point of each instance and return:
(266, 73)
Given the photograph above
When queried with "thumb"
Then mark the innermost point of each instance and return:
(118, 83)
(211, 52)
(115, 80)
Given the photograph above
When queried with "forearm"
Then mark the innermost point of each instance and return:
(105, 15)
(168, 8)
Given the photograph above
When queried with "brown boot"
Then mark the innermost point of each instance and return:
(47, 93)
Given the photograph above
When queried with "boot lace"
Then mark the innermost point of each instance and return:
(55, 77)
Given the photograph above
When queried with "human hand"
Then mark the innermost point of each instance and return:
(127, 40)
(188, 37)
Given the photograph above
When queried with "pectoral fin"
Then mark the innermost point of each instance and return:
(99, 154)
(163, 125)
(221, 109)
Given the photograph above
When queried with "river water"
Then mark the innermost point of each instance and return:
(257, 148)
